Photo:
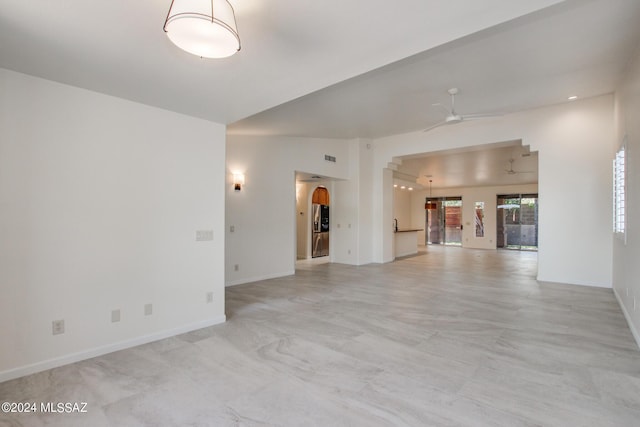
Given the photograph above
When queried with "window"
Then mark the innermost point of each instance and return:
(479, 219)
(619, 193)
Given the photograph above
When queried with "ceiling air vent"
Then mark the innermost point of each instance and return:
(329, 158)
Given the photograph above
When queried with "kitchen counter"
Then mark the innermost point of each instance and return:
(406, 241)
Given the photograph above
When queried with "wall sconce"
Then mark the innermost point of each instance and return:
(238, 181)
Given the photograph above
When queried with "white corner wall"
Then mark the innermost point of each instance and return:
(574, 143)
(626, 268)
(100, 200)
(352, 210)
(263, 215)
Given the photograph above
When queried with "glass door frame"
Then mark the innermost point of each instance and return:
(443, 232)
(522, 229)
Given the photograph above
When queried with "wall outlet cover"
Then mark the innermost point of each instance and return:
(57, 327)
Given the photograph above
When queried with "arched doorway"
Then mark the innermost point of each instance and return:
(320, 222)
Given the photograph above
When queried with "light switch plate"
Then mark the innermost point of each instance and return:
(204, 235)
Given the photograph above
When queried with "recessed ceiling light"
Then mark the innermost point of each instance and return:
(395, 185)
(403, 187)
(573, 97)
(410, 188)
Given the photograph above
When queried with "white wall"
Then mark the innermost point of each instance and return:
(352, 210)
(366, 206)
(303, 220)
(469, 195)
(263, 214)
(574, 144)
(626, 268)
(100, 200)
(402, 208)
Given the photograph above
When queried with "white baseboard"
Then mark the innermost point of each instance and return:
(259, 278)
(109, 348)
(590, 285)
(632, 327)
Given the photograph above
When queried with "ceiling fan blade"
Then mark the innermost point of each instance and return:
(514, 172)
(445, 109)
(480, 116)
(434, 126)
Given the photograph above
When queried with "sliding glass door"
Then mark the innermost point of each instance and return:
(517, 222)
(444, 221)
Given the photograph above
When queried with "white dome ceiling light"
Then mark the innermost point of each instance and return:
(205, 28)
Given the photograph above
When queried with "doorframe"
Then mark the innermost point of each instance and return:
(443, 225)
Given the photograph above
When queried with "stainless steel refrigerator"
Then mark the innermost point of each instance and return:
(320, 235)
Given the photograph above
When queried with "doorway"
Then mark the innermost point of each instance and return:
(444, 221)
(517, 222)
(320, 223)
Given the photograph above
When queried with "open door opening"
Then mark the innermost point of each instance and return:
(320, 223)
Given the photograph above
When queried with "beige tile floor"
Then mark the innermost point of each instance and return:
(451, 337)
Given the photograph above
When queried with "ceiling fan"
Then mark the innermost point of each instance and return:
(453, 117)
(511, 171)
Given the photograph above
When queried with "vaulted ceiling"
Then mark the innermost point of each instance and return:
(336, 69)
(572, 48)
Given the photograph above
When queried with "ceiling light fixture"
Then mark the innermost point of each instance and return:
(205, 28)
(572, 98)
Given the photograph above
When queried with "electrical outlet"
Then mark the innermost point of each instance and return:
(232, 228)
(349, 252)
(236, 267)
(57, 327)
(148, 309)
(115, 316)
(209, 297)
